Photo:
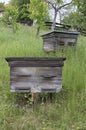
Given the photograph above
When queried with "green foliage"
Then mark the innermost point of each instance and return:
(77, 19)
(15, 2)
(1, 4)
(10, 17)
(22, 6)
(24, 13)
(1, 7)
(19, 3)
(82, 14)
(59, 2)
(39, 11)
(72, 19)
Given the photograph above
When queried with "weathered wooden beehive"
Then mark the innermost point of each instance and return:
(35, 74)
(56, 39)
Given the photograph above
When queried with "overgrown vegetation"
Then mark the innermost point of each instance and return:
(68, 108)
(38, 11)
(77, 17)
(10, 17)
(22, 6)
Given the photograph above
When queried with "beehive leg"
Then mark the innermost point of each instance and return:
(34, 99)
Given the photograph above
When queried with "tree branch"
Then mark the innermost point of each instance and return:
(51, 4)
(63, 5)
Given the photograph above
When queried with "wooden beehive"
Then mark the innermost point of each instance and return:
(35, 74)
(56, 39)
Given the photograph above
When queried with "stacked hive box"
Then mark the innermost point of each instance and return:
(35, 74)
(55, 40)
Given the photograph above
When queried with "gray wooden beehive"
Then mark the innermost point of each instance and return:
(35, 74)
(59, 39)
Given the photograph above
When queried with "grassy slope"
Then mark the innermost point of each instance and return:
(67, 112)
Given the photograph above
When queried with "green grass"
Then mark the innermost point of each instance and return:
(68, 109)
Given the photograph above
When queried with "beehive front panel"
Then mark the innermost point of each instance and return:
(36, 79)
(66, 41)
(56, 40)
(49, 44)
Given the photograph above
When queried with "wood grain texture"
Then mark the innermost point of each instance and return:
(35, 62)
(40, 78)
(56, 39)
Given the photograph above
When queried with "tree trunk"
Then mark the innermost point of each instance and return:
(13, 27)
(54, 21)
(38, 29)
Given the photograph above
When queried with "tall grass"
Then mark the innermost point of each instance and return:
(67, 111)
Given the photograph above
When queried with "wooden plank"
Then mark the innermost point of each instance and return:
(35, 89)
(27, 75)
(20, 89)
(38, 59)
(35, 78)
(48, 90)
(38, 71)
(59, 33)
(35, 62)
